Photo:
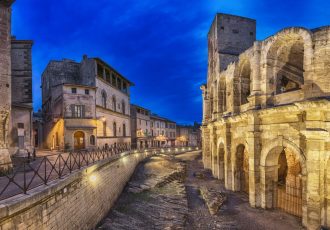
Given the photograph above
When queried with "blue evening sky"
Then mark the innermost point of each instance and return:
(160, 45)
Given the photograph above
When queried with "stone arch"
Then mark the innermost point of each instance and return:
(281, 142)
(241, 172)
(287, 56)
(104, 99)
(242, 82)
(283, 176)
(222, 97)
(79, 140)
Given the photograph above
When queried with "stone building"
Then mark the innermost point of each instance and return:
(188, 135)
(15, 89)
(266, 116)
(160, 131)
(85, 105)
(170, 132)
(21, 137)
(151, 130)
(141, 131)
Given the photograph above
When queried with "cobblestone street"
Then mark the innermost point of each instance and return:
(164, 194)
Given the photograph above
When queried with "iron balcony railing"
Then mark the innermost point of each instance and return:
(31, 172)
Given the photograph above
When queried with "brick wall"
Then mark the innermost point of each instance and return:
(73, 203)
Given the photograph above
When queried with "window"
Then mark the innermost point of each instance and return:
(113, 79)
(222, 27)
(104, 99)
(119, 83)
(87, 91)
(107, 76)
(235, 31)
(100, 70)
(125, 87)
(104, 128)
(73, 90)
(114, 129)
(124, 130)
(114, 106)
(78, 111)
(251, 33)
(20, 125)
(123, 107)
(92, 140)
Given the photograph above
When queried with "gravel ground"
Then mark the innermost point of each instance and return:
(164, 194)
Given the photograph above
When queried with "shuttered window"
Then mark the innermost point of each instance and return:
(78, 111)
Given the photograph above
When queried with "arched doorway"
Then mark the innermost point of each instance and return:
(284, 180)
(221, 162)
(289, 184)
(215, 164)
(79, 140)
(242, 169)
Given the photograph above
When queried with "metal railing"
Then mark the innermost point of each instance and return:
(30, 173)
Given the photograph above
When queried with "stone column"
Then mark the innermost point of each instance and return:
(254, 150)
(313, 210)
(5, 81)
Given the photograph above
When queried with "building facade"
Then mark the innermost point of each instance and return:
(142, 135)
(266, 114)
(15, 90)
(188, 135)
(170, 133)
(85, 105)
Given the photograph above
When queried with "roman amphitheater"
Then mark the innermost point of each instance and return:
(266, 116)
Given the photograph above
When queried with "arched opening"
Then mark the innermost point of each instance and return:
(104, 128)
(283, 178)
(285, 61)
(104, 99)
(79, 140)
(221, 162)
(123, 107)
(124, 130)
(215, 164)
(242, 169)
(114, 129)
(245, 83)
(114, 103)
(222, 96)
